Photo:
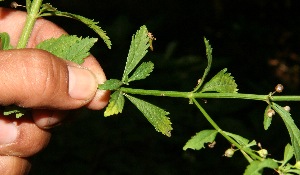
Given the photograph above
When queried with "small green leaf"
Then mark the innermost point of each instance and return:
(5, 41)
(155, 115)
(222, 82)
(267, 117)
(293, 130)
(115, 105)
(18, 111)
(49, 10)
(209, 61)
(142, 71)
(69, 47)
(111, 84)
(256, 167)
(138, 49)
(241, 140)
(197, 142)
(288, 154)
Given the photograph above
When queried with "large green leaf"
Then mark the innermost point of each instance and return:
(222, 82)
(293, 130)
(155, 115)
(197, 142)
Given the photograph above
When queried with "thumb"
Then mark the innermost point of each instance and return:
(37, 79)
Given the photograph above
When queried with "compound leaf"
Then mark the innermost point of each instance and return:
(142, 71)
(115, 105)
(155, 115)
(49, 10)
(69, 47)
(222, 82)
(256, 167)
(138, 49)
(197, 142)
(111, 84)
(293, 130)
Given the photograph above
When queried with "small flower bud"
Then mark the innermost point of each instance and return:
(287, 108)
(229, 152)
(262, 153)
(279, 88)
(212, 144)
(270, 113)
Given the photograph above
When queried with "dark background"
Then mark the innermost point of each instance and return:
(258, 41)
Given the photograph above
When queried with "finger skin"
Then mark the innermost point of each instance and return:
(11, 165)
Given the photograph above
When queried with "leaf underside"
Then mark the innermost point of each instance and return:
(155, 115)
(115, 105)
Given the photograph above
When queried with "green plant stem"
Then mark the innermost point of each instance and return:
(32, 16)
(191, 95)
(211, 121)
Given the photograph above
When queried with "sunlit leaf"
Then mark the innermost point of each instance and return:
(256, 167)
(267, 117)
(155, 115)
(115, 105)
(111, 84)
(69, 47)
(142, 71)
(293, 130)
(138, 49)
(222, 82)
(197, 142)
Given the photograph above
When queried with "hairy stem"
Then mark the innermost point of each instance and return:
(32, 16)
(214, 125)
(191, 95)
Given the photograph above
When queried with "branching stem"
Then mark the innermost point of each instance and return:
(191, 95)
(32, 16)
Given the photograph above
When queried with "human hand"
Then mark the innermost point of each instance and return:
(36, 79)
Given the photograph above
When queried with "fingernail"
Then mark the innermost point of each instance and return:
(8, 132)
(82, 83)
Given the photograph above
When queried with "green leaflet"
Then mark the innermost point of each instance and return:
(241, 140)
(69, 47)
(197, 142)
(256, 167)
(5, 41)
(49, 10)
(209, 61)
(142, 71)
(115, 105)
(222, 82)
(267, 119)
(291, 127)
(138, 49)
(112, 84)
(155, 115)
(288, 154)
